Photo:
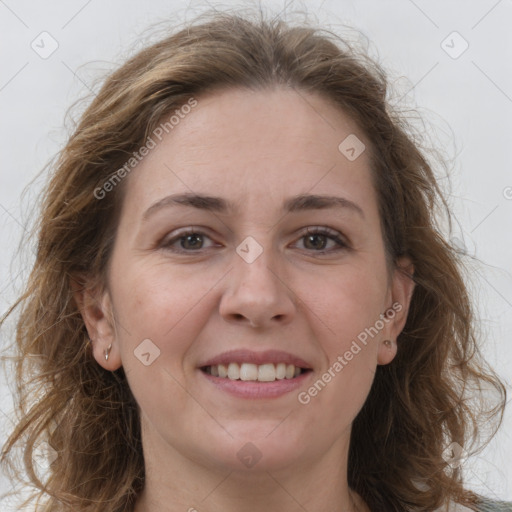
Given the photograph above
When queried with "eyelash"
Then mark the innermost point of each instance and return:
(329, 233)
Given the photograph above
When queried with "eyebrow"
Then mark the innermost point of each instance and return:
(297, 203)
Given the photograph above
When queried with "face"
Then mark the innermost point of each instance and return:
(253, 268)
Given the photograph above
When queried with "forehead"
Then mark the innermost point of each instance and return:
(255, 145)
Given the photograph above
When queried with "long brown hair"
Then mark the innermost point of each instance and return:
(418, 404)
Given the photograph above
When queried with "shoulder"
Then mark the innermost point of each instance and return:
(484, 505)
(488, 505)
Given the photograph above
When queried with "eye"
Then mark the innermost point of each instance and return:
(317, 238)
(190, 240)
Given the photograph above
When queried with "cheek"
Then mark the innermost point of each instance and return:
(343, 312)
(161, 304)
(161, 314)
(346, 309)
(348, 301)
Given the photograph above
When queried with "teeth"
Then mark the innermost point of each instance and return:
(281, 371)
(233, 371)
(268, 372)
(222, 370)
(248, 372)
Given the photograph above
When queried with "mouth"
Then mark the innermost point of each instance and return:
(268, 372)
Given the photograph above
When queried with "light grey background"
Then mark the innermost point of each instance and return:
(466, 98)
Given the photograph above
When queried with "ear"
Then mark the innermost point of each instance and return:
(95, 305)
(399, 299)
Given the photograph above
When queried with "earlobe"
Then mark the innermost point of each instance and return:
(386, 352)
(95, 306)
(401, 292)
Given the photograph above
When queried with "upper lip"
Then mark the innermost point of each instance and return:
(249, 356)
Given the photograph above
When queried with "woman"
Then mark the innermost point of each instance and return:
(241, 299)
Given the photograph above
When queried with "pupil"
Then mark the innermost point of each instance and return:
(312, 237)
(194, 237)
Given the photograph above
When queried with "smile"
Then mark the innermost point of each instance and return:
(268, 372)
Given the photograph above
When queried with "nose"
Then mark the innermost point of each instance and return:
(257, 293)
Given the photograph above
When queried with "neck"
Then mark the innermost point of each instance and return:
(177, 483)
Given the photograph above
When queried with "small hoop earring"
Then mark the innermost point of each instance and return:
(107, 352)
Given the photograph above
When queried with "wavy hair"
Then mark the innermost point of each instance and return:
(418, 404)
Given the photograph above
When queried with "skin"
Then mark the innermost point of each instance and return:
(255, 149)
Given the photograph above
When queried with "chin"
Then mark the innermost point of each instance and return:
(263, 450)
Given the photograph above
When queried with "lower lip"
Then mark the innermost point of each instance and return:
(254, 389)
